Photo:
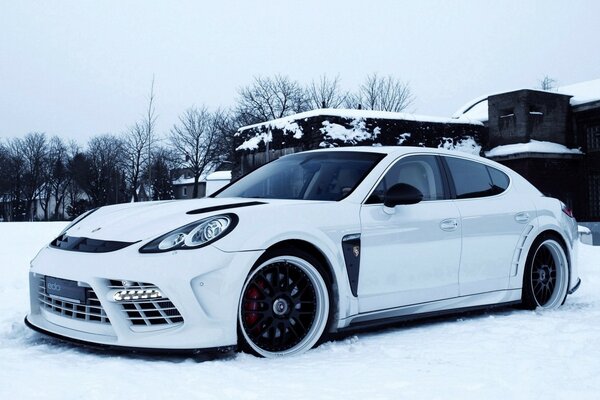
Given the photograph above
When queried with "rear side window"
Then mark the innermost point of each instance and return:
(499, 179)
(472, 179)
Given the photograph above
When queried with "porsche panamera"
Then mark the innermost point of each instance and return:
(310, 244)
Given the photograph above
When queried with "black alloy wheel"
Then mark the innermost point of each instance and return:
(546, 277)
(284, 307)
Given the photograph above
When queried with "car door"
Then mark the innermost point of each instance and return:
(413, 255)
(493, 221)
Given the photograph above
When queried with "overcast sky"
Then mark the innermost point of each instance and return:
(81, 68)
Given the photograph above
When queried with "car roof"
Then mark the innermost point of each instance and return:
(401, 150)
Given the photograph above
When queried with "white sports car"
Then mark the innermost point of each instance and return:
(312, 243)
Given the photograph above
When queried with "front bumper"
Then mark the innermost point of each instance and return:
(203, 286)
(99, 346)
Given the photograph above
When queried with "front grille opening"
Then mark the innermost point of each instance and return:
(92, 310)
(147, 312)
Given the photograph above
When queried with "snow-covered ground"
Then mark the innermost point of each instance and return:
(504, 354)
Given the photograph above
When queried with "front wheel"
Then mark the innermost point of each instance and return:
(546, 277)
(284, 306)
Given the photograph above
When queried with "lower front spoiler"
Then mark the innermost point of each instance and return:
(127, 349)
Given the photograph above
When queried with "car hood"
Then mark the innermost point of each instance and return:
(141, 221)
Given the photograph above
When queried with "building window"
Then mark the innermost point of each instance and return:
(184, 191)
(593, 137)
(506, 119)
(536, 115)
(594, 195)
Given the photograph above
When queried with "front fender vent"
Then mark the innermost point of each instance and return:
(86, 245)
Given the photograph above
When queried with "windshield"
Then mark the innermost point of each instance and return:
(327, 175)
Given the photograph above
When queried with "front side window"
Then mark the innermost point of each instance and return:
(473, 179)
(326, 175)
(421, 172)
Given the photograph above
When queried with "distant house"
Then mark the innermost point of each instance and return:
(183, 186)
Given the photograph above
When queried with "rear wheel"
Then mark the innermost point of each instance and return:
(284, 305)
(546, 278)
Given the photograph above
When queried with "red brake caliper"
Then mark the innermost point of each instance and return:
(252, 294)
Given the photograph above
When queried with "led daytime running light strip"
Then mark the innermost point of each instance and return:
(140, 294)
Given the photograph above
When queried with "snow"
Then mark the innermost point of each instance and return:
(182, 180)
(467, 145)
(281, 123)
(534, 146)
(507, 353)
(219, 176)
(582, 92)
(290, 126)
(403, 138)
(476, 109)
(214, 176)
(253, 142)
(357, 133)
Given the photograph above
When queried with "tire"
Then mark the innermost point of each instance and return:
(546, 276)
(284, 305)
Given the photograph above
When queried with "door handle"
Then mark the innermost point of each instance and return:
(522, 217)
(449, 224)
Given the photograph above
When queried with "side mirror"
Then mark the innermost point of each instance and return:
(401, 194)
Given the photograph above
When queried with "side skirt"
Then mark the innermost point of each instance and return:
(455, 305)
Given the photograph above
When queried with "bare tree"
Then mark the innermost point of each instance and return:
(136, 144)
(195, 141)
(56, 177)
(270, 98)
(226, 126)
(99, 172)
(163, 162)
(6, 182)
(15, 173)
(149, 123)
(547, 83)
(382, 93)
(33, 152)
(73, 190)
(325, 93)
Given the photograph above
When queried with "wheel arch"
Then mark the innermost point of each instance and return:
(555, 234)
(528, 298)
(319, 255)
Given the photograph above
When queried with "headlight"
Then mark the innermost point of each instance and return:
(194, 235)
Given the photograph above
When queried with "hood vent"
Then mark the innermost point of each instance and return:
(86, 245)
(224, 207)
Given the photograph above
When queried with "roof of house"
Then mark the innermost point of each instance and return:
(288, 122)
(582, 93)
(214, 176)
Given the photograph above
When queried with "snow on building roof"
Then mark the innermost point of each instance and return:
(354, 134)
(287, 123)
(582, 93)
(476, 109)
(211, 176)
(182, 180)
(219, 176)
(534, 146)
